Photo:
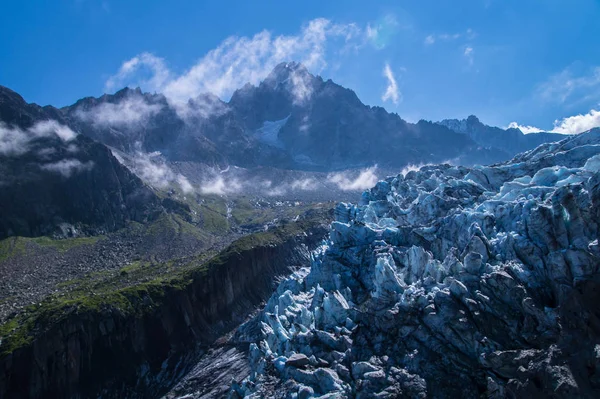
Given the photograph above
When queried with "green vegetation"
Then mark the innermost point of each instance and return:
(139, 286)
(14, 246)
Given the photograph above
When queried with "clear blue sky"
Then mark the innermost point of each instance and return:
(531, 61)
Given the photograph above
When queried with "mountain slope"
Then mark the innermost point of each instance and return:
(57, 182)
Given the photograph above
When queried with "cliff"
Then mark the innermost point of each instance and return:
(134, 342)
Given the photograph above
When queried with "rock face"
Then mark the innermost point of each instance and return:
(54, 181)
(70, 188)
(447, 282)
(139, 345)
(506, 141)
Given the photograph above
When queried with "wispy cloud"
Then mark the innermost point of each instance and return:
(366, 178)
(68, 167)
(469, 54)
(132, 109)
(571, 85)
(220, 185)
(15, 141)
(391, 92)
(131, 72)
(380, 33)
(240, 60)
(153, 170)
(469, 34)
(524, 128)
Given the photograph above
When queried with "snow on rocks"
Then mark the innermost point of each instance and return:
(446, 282)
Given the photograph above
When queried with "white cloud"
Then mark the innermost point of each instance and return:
(469, 34)
(307, 184)
(49, 127)
(15, 141)
(366, 179)
(391, 92)
(239, 60)
(68, 167)
(571, 125)
(469, 53)
(220, 186)
(131, 70)
(569, 83)
(151, 168)
(578, 123)
(523, 128)
(132, 109)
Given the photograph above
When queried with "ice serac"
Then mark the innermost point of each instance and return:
(446, 282)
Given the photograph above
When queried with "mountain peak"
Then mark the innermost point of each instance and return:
(285, 70)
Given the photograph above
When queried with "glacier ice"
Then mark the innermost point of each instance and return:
(446, 282)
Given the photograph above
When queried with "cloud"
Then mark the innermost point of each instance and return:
(15, 141)
(132, 109)
(380, 33)
(239, 60)
(133, 70)
(468, 53)
(523, 128)
(584, 85)
(152, 169)
(307, 184)
(391, 92)
(469, 34)
(221, 186)
(571, 125)
(366, 179)
(68, 167)
(578, 123)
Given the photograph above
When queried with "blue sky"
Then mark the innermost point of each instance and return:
(530, 61)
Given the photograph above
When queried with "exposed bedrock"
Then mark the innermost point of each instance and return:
(139, 342)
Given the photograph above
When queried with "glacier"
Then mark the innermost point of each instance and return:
(447, 282)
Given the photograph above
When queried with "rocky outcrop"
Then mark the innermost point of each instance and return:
(447, 282)
(67, 188)
(136, 342)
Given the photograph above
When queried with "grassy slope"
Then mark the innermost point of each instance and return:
(123, 290)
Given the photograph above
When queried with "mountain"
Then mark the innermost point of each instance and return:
(291, 120)
(54, 181)
(510, 141)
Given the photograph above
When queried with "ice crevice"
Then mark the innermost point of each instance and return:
(446, 282)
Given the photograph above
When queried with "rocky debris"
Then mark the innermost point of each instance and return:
(447, 282)
(297, 360)
(35, 271)
(140, 341)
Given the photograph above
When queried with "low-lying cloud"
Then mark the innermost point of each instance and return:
(68, 167)
(220, 186)
(578, 123)
(132, 109)
(344, 180)
(153, 170)
(523, 128)
(15, 141)
(575, 124)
